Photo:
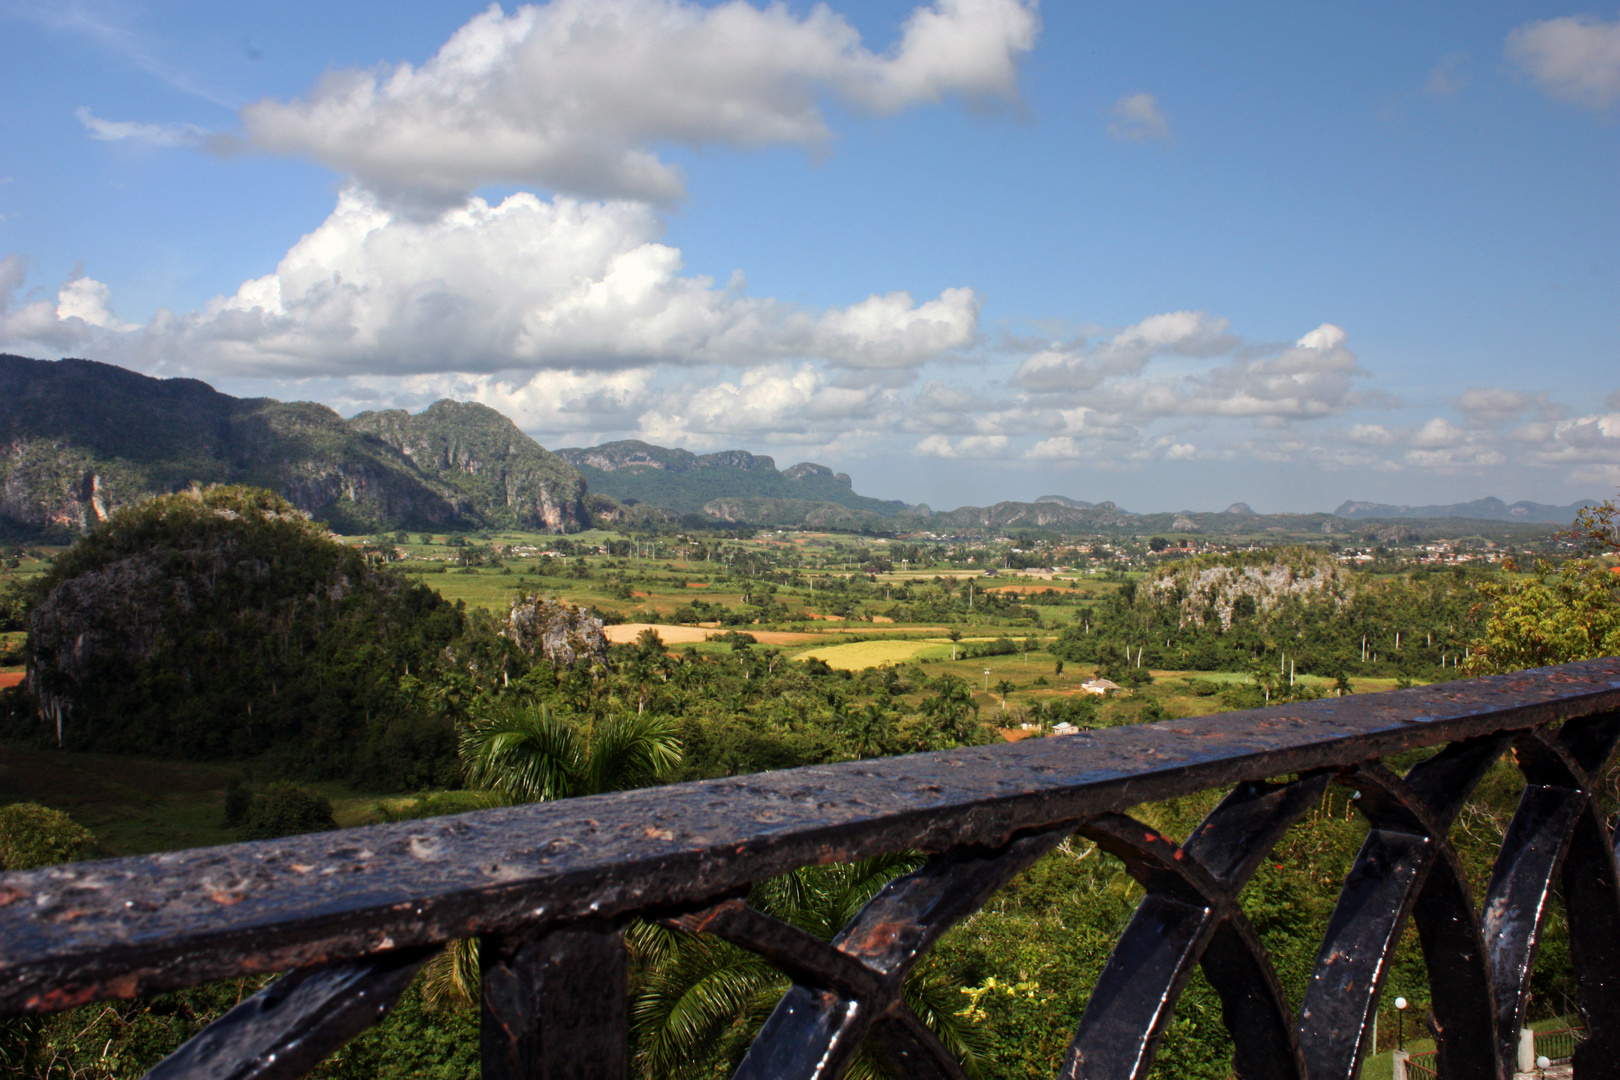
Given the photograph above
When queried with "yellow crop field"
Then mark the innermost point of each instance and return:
(864, 654)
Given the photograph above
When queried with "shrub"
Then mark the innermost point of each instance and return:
(286, 810)
(238, 800)
(32, 835)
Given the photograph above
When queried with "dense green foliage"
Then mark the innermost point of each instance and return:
(526, 754)
(1274, 613)
(224, 624)
(1549, 615)
(285, 809)
(33, 835)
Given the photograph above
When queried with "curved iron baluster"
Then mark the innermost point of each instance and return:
(915, 1052)
(1592, 899)
(1390, 881)
(1463, 1016)
(287, 1028)
(1557, 833)
(1407, 869)
(1190, 915)
(845, 989)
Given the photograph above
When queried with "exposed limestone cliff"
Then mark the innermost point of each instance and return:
(560, 632)
(1210, 591)
(512, 479)
(79, 439)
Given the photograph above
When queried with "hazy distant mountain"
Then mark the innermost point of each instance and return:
(1061, 500)
(732, 485)
(1489, 509)
(1054, 513)
(82, 439)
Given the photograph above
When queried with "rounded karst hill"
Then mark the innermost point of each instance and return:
(224, 623)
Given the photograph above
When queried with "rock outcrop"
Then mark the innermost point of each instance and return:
(563, 634)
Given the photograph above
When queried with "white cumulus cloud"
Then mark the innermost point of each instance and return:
(1314, 378)
(775, 401)
(90, 302)
(1576, 57)
(525, 284)
(575, 95)
(969, 446)
(1179, 333)
(1138, 118)
(82, 307)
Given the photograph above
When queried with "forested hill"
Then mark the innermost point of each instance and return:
(510, 478)
(730, 484)
(82, 438)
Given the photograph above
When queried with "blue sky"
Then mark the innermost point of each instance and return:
(1173, 255)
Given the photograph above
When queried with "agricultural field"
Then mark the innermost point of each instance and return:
(859, 655)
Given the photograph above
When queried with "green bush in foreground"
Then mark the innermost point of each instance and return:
(32, 835)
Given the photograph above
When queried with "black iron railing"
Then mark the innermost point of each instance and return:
(1558, 1045)
(549, 887)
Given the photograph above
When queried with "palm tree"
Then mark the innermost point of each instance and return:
(702, 1000)
(525, 754)
(528, 755)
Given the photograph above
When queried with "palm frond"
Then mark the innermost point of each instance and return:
(938, 1004)
(524, 753)
(450, 980)
(692, 1002)
(630, 751)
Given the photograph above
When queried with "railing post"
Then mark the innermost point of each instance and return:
(1397, 1065)
(1527, 1050)
(555, 1007)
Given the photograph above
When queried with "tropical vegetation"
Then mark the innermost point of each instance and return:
(532, 703)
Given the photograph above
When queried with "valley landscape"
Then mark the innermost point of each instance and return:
(932, 540)
(759, 618)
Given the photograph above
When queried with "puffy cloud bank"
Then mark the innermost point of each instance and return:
(526, 284)
(1313, 378)
(575, 320)
(573, 94)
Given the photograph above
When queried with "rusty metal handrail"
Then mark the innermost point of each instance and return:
(548, 887)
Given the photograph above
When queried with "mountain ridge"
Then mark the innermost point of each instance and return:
(721, 483)
(79, 438)
(1489, 508)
